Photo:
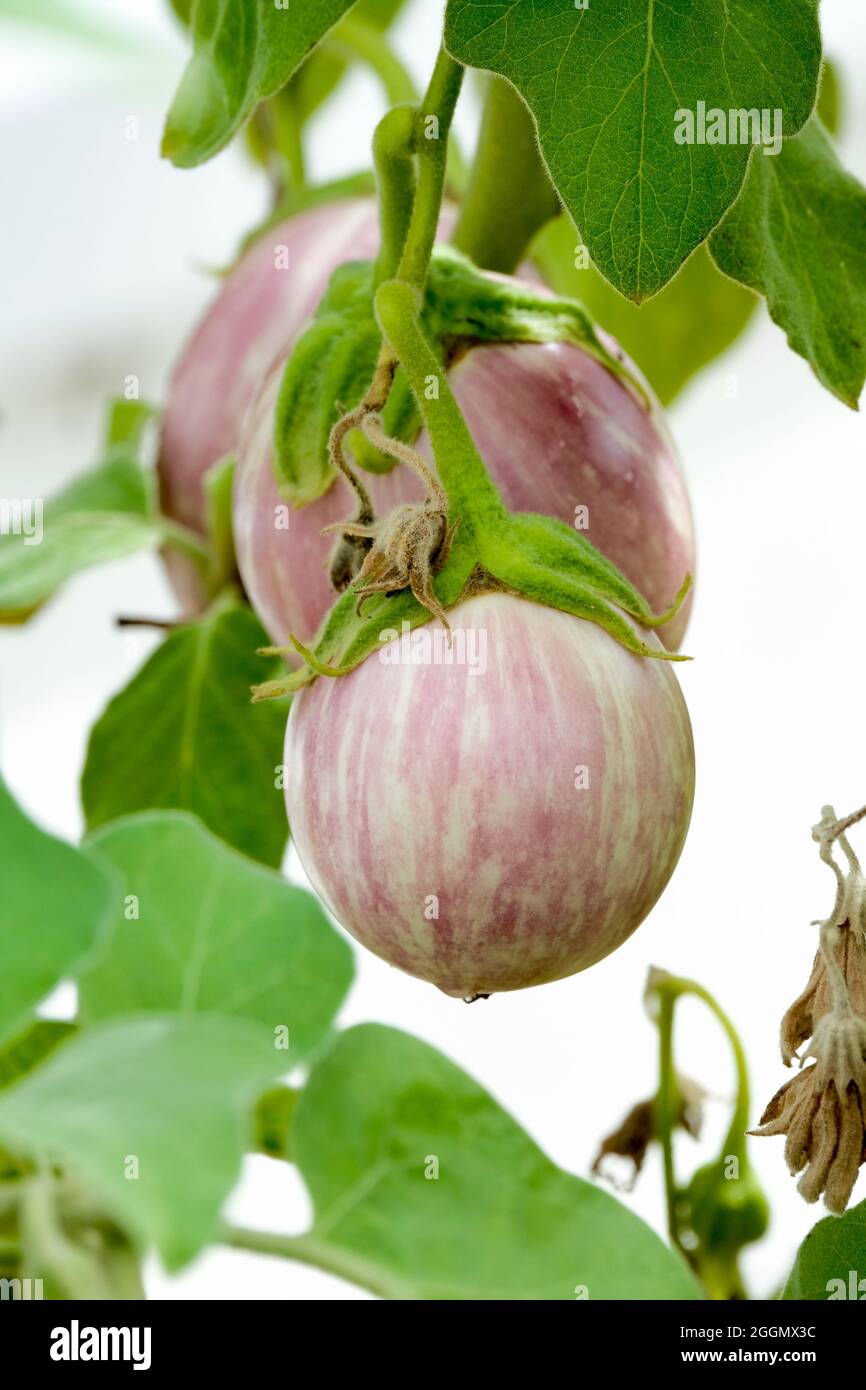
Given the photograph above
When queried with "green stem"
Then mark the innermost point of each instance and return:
(395, 178)
(354, 38)
(665, 1103)
(433, 123)
(735, 1141)
(187, 542)
(308, 1249)
(288, 137)
(668, 990)
(471, 493)
(510, 195)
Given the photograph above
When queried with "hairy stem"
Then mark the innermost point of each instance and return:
(665, 1112)
(510, 195)
(471, 493)
(433, 123)
(287, 136)
(395, 180)
(668, 990)
(308, 1249)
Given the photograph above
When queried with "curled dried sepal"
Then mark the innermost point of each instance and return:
(411, 543)
(825, 1135)
(816, 1001)
(821, 1111)
(632, 1138)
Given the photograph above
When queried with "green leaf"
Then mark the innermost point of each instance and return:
(103, 515)
(153, 1114)
(832, 1260)
(328, 371)
(797, 235)
(243, 51)
(55, 903)
(183, 735)
(604, 84)
(690, 322)
(382, 1112)
(208, 931)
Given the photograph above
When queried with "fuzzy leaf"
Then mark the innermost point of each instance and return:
(797, 234)
(499, 1221)
(828, 1258)
(215, 933)
(685, 326)
(154, 1114)
(182, 735)
(243, 51)
(604, 83)
(54, 904)
(103, 515)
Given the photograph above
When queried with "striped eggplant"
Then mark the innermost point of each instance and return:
(558, 432)
(498, 813)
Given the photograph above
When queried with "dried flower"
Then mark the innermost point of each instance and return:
(823, 1109)
(632, 1138)
(801, 1020)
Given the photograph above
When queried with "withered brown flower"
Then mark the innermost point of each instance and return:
(823, 1109)
(816, 1001)
(632, 1138)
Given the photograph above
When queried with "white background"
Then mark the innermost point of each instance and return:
(103, 258)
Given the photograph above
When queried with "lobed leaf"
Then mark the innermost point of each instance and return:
(54, 905)
(182, 735)
(153, 1114)
(797, 235)
(213, 932)
(427, 1184)
(243, 52)
(604, 83)
(829, 1264)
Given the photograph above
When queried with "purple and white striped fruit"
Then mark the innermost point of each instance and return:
(260, 311)
(500, 817)
(558, 432)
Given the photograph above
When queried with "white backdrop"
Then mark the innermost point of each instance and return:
(103, 252)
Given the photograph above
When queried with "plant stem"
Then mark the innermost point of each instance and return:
(287, 136)
(471, 494)
(309, 1250)
(735, 1141)
(433, 123)
(354, 38)
(186, 541)
(665, 1110)
(510, 195)
(668, 990)
(395, 178)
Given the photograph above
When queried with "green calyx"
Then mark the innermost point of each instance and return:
(536, 557)
(334, 360)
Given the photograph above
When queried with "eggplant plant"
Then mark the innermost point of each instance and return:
(421, 507)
